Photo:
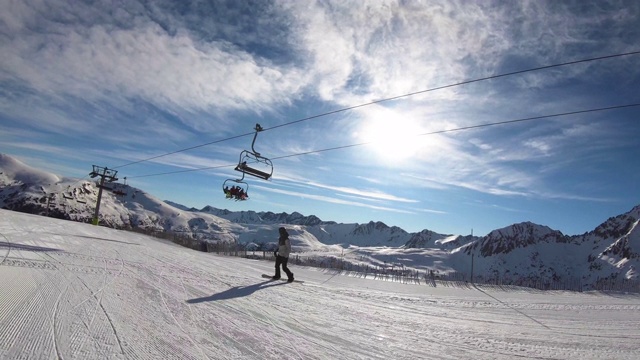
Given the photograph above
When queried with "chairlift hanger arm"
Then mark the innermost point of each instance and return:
(258, 128)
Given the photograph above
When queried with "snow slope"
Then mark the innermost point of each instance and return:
(520, 251)
(75, 291)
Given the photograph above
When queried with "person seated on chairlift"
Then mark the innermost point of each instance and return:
(241, 195)
(227, 191)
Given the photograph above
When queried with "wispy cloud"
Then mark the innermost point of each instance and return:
(332, 200)
(292, 178)
(374, 194)
(94, 82)
(355, 49)
(102, 60)
(431, 211)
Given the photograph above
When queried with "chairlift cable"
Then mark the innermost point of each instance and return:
(389, 99)
(453, 85)
(182, 150)
(470, 127)
(506, 122)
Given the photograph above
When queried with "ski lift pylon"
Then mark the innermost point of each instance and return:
(249, 160)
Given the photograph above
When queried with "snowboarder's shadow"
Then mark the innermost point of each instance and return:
(236, 292)
(25, 247)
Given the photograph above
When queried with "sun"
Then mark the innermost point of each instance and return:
(392, 138)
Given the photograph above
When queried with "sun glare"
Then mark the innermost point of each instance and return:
(393, 139)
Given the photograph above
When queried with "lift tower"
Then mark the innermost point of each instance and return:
(105, 175)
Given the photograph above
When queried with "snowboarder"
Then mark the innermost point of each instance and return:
(282, 255)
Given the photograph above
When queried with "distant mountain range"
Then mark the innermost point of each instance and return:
(524, 250)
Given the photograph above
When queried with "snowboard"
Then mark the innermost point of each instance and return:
(281, 279)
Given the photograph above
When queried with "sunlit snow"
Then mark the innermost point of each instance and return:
(75, 291)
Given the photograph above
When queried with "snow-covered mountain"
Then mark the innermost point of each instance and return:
(25, 189)
(268, 217)
(532, 251)
(524, 250)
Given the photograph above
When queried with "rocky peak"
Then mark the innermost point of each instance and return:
(423, 239)
(369, 228)
(617, 226)
(626, 247)
(503, 241)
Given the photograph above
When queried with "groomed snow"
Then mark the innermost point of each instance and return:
(75, 291)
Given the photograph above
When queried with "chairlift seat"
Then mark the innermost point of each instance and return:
(247, 157)
(251, 171)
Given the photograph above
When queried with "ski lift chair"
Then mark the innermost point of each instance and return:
(242, 192)
(119, 192)
(120, 189)
(254, 164)
(263, 170)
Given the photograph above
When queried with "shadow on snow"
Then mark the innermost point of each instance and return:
(236, 292)
(14, 246)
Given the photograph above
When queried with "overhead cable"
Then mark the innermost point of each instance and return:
(453, 85)
(182, 150)
(470, 127)
(388, 99)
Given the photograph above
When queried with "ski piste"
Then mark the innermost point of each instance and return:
(281, 279)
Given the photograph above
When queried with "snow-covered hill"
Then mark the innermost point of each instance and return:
(13, 170)
(524, 250)
(75, 291)
(25, 189)
(531, 251)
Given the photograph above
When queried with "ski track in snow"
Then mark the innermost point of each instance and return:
(75, 291)
(7, 249)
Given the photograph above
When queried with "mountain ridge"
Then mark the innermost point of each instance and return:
(524, 249)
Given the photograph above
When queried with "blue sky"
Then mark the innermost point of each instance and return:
(86, 82)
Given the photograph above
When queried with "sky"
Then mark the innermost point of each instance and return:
(168, 94)
(131, 296)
